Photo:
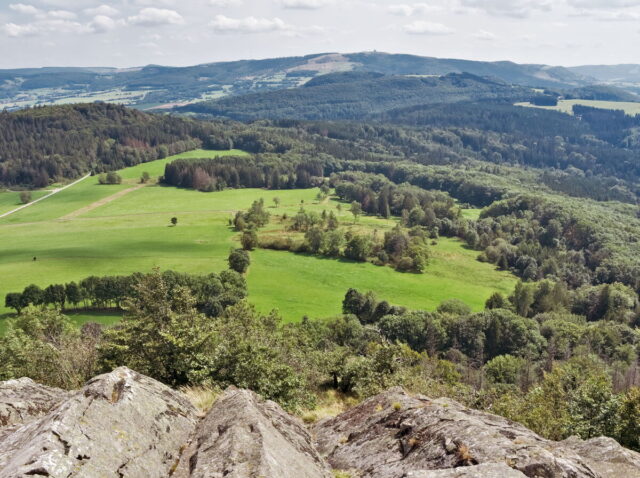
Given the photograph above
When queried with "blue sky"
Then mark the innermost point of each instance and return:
(127, 33)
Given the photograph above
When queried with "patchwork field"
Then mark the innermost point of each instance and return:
(92, 229)
(566, 106)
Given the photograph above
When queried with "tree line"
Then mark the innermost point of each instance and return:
(553, 370)
(212, 292)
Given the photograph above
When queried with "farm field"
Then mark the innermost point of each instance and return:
(93, 229)
(10, 200)
(566, 106)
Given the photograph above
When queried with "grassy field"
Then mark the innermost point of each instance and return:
(10, 200)
(86, 230)
(566, 106)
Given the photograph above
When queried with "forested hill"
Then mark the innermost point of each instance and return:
(155, 85)
(355, 95)
(46, 144)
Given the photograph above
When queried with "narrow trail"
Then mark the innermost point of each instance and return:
(101, 202)
(55, 191)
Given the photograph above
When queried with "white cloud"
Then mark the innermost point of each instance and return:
(408, 10)
(225, 3)
(427, 28)
(305, 4)
(55, 26)
(61, 14)
(606, 4)
(225, 24)
(155, 2)
(102, 24)
(485, 35)
(155, 17)
(13, 30)
(24, 9)
(105, 10)
(511, 8)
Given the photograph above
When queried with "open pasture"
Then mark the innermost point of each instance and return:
(566, 106)
(93, 229)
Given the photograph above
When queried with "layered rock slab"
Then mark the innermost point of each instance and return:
(606, 456)
(393, 434)
(22, 400)
(244, 436)
(486, 470)
(120, 425)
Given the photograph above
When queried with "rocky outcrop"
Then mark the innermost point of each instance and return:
(120, 425)
(125, 425)
(244, 436)
(486, 470)
(394, 434)
(605, 456)
(23, 400)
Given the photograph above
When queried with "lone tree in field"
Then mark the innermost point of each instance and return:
(356, 210)
(25, 197)
(249, 239)
(174, 221)
(145, 178)
(239, 260)
(276, 201)
(110, 178)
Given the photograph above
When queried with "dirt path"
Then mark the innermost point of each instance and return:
(101, 202)
(55, 191)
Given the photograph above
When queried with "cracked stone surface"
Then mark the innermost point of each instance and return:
(120, 425)
(244, 436)
(23, 400)
(486, 470)
(605, 456)
(126, 425)
(393, 434)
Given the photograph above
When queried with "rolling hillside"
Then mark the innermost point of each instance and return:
(155, 85)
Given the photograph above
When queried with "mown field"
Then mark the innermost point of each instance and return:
(566, 106)
(10, 200)
(93, 229)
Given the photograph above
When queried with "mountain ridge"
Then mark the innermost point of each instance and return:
(157, 85)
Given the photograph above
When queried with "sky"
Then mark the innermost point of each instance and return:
(127, 33)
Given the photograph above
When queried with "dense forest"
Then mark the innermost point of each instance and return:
(354, 95)
(49, 144)
(558, 200)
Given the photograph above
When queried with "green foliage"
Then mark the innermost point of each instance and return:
(25, 197)
(249, 239)
(161, 335)
(37, 150)
(47, 347)
(630, 419)
(504, 369)
(239, 260)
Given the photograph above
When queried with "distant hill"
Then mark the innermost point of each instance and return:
(610, 73)
(355, 95)
(163, 86)
(602, 93)
(48, 144)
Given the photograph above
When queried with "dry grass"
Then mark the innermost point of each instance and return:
(330, 404)
(202, 396)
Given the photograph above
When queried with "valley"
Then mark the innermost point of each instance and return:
(93, 229)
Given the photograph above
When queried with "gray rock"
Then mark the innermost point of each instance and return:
(392, 434)
(119, 425)
(22, 400)
(244, 436)
(486, 470)
(606, 456)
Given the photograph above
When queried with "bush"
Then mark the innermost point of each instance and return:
(239, 260)
(25, 197)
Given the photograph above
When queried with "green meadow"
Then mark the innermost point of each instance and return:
(92, 229)
(10, 200)
(566, 106)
